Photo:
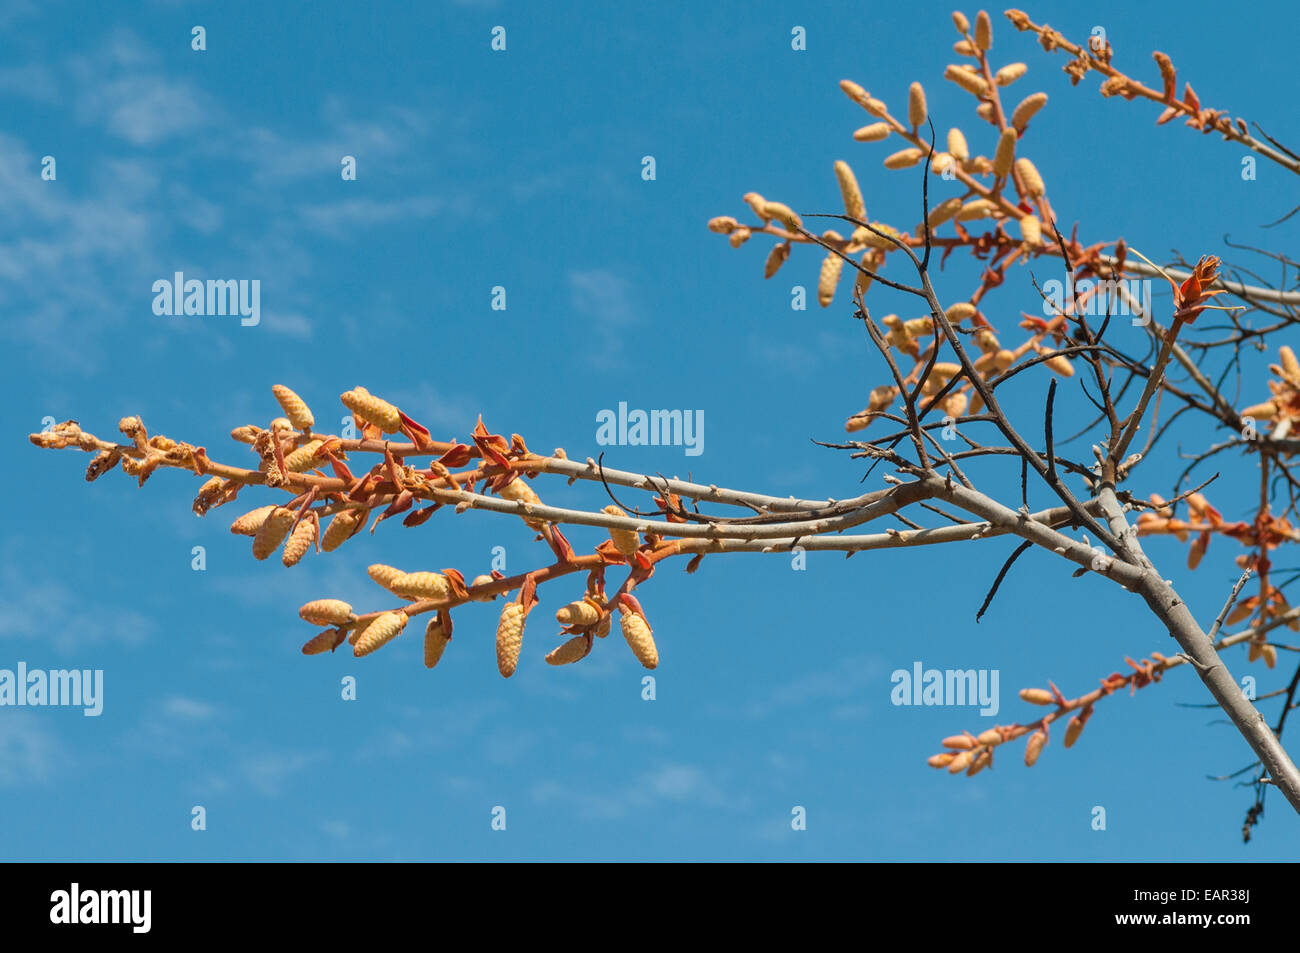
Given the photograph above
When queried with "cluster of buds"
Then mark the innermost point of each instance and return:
(1281, 413)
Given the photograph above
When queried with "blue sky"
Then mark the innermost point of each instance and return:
(522, 169)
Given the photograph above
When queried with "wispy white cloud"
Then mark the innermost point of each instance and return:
(28, 750)
(605, 298)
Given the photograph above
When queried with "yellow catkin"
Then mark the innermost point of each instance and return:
(326, 612)
(955, 405)
(1031, 230)
(1006, 154)
(783, 214)
(1269, 654)
(983, 31)
(959, 312)
(957, 144)
(960, 22)
(571, 651)
(940, 760)
(1058, 363)
(775, 259)
(519, 490)
(967, 79)
(1029, 176)
(739, 237)
(723, 224)
(855, 92)
(483, 580)
(944, 211)
(422, 585)
(873, 133)
(1290, 366)
(341, 528)
(961, 762)
(379, 633)
(326, 641)
(991, 737)
(863, 281)
(272, 532)
(916, 111)
(903, 158)
(304, 458)
(435, 642)
(958, 742)
(1026, 110)
(281, 425)
(626, 541)
(1037, 696)
(304, 534)
(758, 204)
(637, 632)
(294, 407)
(385, 575)
(985, 111)
(246, 434)
(251, 522)
(1265, 411)
(373, 409)
(976, 208)
(964, 48)
(1010, 73)
(577, 613)
(849, 191)
(982, 761)
(510, 636)
(1073, 730)
(1034, 747)
(829, 278)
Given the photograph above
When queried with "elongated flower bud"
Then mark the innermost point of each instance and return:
(379, 633)
(435, 642)
(326, 612)
(637, 632)
(569, 652)
(519, 491)
(271, 533)
(294, 407)
(304, 458)
(829, 278)
(422, 585)
(1290, 366)
(775, 259)
(873, 133)
(1034, 747)
(251, 522)
(958, 742)
(960, 22)
(578, 613)
(370, 408)
(1006, 154)
(959, 312)
(944, 211)
(849, 191)
(246, 434)
(1073, 730)
(940, 760)
(975, 209)
(1037, 696)
(739, 237)
(1026, 110)
(957, 144)
(626, 541)
(982, 761)
(961, 762)
(342, 527)
(510, 636)
(326, 641)
(967, 79)
(386, 576)
(916, 111)
(983, 31)
(1033, 182)
(783, 214)
(904, 158)
(1031, 230)
(304, 534)
(991, 737)
(723, 224)
(1010, 73)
